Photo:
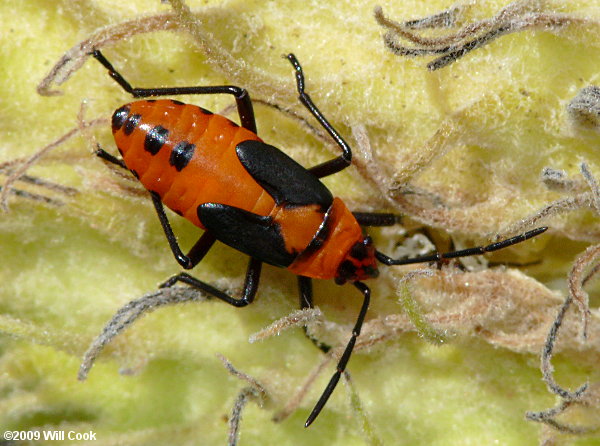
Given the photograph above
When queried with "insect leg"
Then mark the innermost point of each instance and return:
(199, 249)
(337, 164)
(436, 257)
(250, 285)
(341, 366)
(376, 218)
(306, 301)
(242, 98)
(101, 153)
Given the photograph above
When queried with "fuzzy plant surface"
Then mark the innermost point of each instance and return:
(475, 120)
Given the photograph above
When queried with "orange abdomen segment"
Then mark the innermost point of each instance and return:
(187, 155)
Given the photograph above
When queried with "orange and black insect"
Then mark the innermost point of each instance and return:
(251, 196)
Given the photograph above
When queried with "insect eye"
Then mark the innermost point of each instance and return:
(359, 251)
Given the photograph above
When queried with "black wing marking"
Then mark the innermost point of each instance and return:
(249, 233)
(283, 178)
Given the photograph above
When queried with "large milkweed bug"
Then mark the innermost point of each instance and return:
(252, 197)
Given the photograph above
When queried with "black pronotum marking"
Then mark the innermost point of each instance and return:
(155, 139)
(321, 235)
(119, 117)
(181, 155)
(131, 123)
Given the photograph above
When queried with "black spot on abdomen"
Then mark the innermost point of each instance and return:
(155, 139)
(181, 155)
(119, 117)
(131, 123)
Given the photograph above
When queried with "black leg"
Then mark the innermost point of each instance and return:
(337, 164)
(101, 153)
(341, 366)
(242, 98)
(250, 285)
(306, 301)
(197, 252)
(200, 248)
(376, 218)
(437, 257)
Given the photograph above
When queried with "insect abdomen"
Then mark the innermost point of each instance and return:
(187, 155)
